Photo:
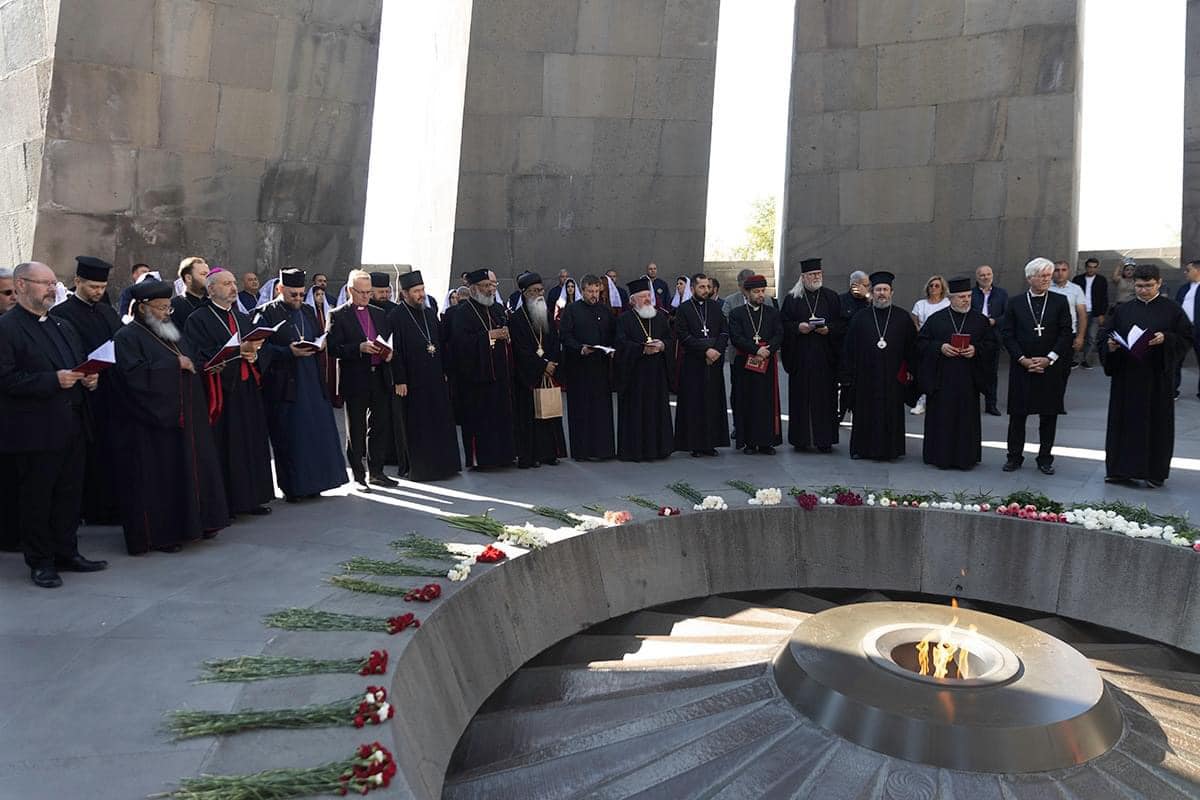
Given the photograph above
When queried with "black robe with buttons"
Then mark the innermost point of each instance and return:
(588, 378)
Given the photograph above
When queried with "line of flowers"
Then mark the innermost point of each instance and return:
(311, 619)
(244, 669)
(371, 708)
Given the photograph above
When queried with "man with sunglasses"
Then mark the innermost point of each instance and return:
(8, 295)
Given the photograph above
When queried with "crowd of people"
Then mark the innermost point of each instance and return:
(204, 397)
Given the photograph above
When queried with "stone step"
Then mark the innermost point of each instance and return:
(1139, 655)
(737, 611)
(573, 764)
(796, 601)
(1066, 631)
(664, 624)
(511, 733)
(1145, 780)
(537, 686)
(587, 648)
(783, 766)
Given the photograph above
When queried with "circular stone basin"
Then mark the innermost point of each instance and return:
(1032, 703)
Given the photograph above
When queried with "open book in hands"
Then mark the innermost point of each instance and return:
(99, 359)
(313, 346)
(231, 350)
(1137, 341)
(385, 346)
(262, 332)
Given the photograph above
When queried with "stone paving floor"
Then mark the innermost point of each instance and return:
(87, 671)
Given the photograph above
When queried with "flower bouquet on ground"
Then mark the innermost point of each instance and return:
(307, 619)
(669, 511)
(491, 555)
(422, 547)
(766, 497)
(686, 491)
(806, 501)
(566, 518)
(643, 502)
(711, 502)
(529, 536)
(371, 767)
(479, 523)
(743, 486)
(369, 709)
(375, 566)
(259, 668)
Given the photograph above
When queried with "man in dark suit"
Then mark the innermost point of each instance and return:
(1188, 296)
(991, 301)
(364, 378)
(1095, 292)
(43, 424)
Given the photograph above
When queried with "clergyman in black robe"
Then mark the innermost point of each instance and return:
(536, 355)
(813, 330)
(1036, 331)
(643, 370)
(481, 375)
(193, 271)
(953, 377)
(756, 332)
(853, 301)
(234, 397)
(420, 378)
(1140, 438)
(304, 435)
(95, 322)
(172, 488)
(395, 445)
(701, 416)
(584, 326)
(878, 365)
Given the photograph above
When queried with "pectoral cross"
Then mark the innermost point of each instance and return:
(1039, 329)
(704, 330)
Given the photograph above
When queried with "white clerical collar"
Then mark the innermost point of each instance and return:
(1147, 302)
(1031, 294)
(223, 308)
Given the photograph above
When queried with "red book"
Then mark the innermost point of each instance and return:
(231, 350)
(960, 341)
(385, 346)
(262, 333)
(99, 359)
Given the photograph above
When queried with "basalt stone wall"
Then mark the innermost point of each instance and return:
(236, 129)
(1190, 233)
(585, 135)
(931, 136)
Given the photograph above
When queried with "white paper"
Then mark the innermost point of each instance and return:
(318, 343)
(603, 349)
(384, 342)
(1135, 333)
(106, 353)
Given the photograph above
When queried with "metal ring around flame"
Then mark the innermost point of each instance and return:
(1000, 664)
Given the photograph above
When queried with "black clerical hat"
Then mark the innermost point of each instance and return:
(528, 279)
(410, 279)
(810, 265)
(380, 280)
(755, 282)
(477, 276)
(92, 269)
(882, 276)
(957, 285)
(639, 285)
(151, 289)
(292, 278)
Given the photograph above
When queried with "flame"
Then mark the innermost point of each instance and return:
(936, 660)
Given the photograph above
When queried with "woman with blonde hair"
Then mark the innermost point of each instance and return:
(934, 301)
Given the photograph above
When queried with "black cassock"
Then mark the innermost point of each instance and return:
(396, 451)
(173, 490)
(482, 383)
(811, 360)
(701, 418)
(240, 425)
(428, 417)
(874, 375)
(183, 306)
(1140, 439)
(953, 432)
(756, 412)
(643, 388)
(96, 323)
(304, 437)
(538, 440)
(588, 378)
(1030, 393)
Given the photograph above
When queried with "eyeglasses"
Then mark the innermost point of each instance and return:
(169, 309)
(40, 283)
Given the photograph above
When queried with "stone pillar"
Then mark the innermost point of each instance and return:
(1190, 228)
(234, 129)
(586, 135)
(931, 137)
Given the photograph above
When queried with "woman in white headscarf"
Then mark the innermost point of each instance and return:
(267, 292)
(683, 292)
(568, 295)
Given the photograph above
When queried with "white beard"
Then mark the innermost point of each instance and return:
(881, 304)
(646, 312)
(536, 309)
(800, 288)
(163, 329)
(484, 300)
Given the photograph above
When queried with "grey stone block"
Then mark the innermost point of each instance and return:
(289, 189)
(621, 201)
(547, 202)
(1048, 60)
(989, 189)
(19, 98)
(548, 249)
(94, 103)
(184, 39)
(834, 80)
(886, 195)
(1038, 188)
(241, 59)
(626, 146)
(885, 553)
(325, 130)
(360, 16)
(341, 197)
(88, 178)
(674, 89)
(589, 85)
(947, 71)
(1041, 126)
(822, 25)
(685, 148)
(821, 142)
(318, 62)
(539, 26)
(59, 232)
(490, 143)
(188, 114)
(504, 83)
(676, 202)
(555, 145)
(197, 184)
(961, 245)
(969, 132)
(620, 27)
(89, 32)
(761, 548)
(15, 188)
(899, 137)
(985, 16)
(23, 29)
(814, 199)
(477, 248)
(690, 29)
(909, 20)
(952, 189)
(249, 122)
(482, 202)
(677, 252)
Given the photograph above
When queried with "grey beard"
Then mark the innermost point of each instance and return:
(163, 329)
(537, 313)
(881, 303)
(646, 312)
(484, 300)
(800, 288)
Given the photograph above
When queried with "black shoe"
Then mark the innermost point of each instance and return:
(993, 411)
(524, 465)
(1074, 364)
(767, 451)
(171, 548)
(259, 511)
(825, 450)
(551, 463)
(1176, 394)
(312, 496)
(1115, 479)
(382, 480)
(696, 454)
(78, 563)
(45, 577)
(1011, 466)
(1152, 484)
(1086, 365)
(710, 452)
(749, 450)
(1046, 469)
(209, 535)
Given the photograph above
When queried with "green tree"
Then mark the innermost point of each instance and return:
(760, 233)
